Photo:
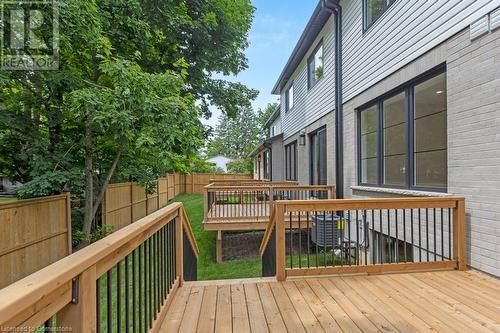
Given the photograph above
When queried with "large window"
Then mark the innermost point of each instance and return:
(373, 9)
(315, 66)
(289, 98)
(403, 137)
(318, 158)
(291, 161)
(267, 165)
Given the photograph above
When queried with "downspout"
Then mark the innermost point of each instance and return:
(334, 7)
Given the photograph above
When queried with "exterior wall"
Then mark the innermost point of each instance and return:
(277, 161)
(407, 30)
(473, 72)
(277, 125)
(303, 152)
(311, 105)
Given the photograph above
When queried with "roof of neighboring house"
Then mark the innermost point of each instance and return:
(266, 144)
(274, 116)
(313, 28)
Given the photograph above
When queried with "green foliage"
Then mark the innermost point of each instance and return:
(264, 115)
(236, 137)
(208, 269)
(123, 105)
(319, 72)
(240, 166)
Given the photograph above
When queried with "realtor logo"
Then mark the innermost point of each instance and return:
(29, 35)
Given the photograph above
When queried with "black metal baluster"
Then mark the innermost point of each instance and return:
(435, 239)
(146, 298)
(119, 297)
(365, 223)
(150, 285)
(109, 300)
(140, 275)
(300, 241)
(127, 295)
(389, 233)
(308, 240)
(316, 244)
(373, 237)
(155, 274)
(47, 326)
(98, 305)
(404, 234)
(412, 232)
(419, 235)
(380, 237)
(135, 304)
(442, 236)
(450, 255)
(291, 239)
(397, 235)
(324, 238)
(334, 227)
(349, 233)
(357, 239)
(427, 232)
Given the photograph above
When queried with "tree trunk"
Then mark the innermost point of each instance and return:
(89, 183)
(105, 185)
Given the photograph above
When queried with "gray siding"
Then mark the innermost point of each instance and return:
(311, 105)
(405, 32)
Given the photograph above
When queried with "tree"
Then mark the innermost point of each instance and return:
(264, 115)
(122, 106)
(235, 137)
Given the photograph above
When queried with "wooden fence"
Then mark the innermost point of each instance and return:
(126, 203)
(33, 234)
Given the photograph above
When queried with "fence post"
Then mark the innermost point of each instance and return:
(68, 222)
(80, 316)
(459, 238)
(179, 247)
(280, 242)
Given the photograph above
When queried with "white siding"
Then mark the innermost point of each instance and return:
(405, 32)
(276, 124)
(311, 105)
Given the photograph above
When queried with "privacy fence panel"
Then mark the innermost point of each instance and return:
(126, 203)
(33, 234)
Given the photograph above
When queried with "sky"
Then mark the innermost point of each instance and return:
(276, 28)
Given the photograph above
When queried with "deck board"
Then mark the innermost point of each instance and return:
(411, 302)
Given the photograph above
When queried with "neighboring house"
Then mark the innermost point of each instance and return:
(419, 109)
(219, 161)
(268, 156)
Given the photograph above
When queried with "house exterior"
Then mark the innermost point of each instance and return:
(419, 113)
(268, 157)
(220, 162)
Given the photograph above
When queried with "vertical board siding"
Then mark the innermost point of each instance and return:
(406, 31)
(33, 234)
(311, 104)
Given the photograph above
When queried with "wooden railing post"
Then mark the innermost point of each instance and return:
(80, 316)
(179, 248)
(459, 237)
(280, 242)
(271, 199)
(207, 203)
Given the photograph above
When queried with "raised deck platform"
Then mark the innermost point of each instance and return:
(449, 301)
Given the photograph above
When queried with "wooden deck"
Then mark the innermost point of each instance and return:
(419, 302)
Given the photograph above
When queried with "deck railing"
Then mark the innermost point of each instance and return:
(124, 282)
(254, 203)
(364, 236)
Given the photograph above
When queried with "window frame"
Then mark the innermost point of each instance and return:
(408, 89)
(288, 162)
(287, 98)
(312, 60)
(313, 137)
(367, 26)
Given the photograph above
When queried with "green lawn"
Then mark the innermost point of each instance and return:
(7, 199)
(208, 269)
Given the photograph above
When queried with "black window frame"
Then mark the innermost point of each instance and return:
(287, 98)
(311, 60)
(266, 156)
(288, 161)
(367, 26)
(408, 89)
(312, 156)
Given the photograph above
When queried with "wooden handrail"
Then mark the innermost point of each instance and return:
(268, 232)
(189, 233)
(39, 296)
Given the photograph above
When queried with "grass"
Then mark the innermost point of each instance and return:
(208, 269)
(7, 199)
